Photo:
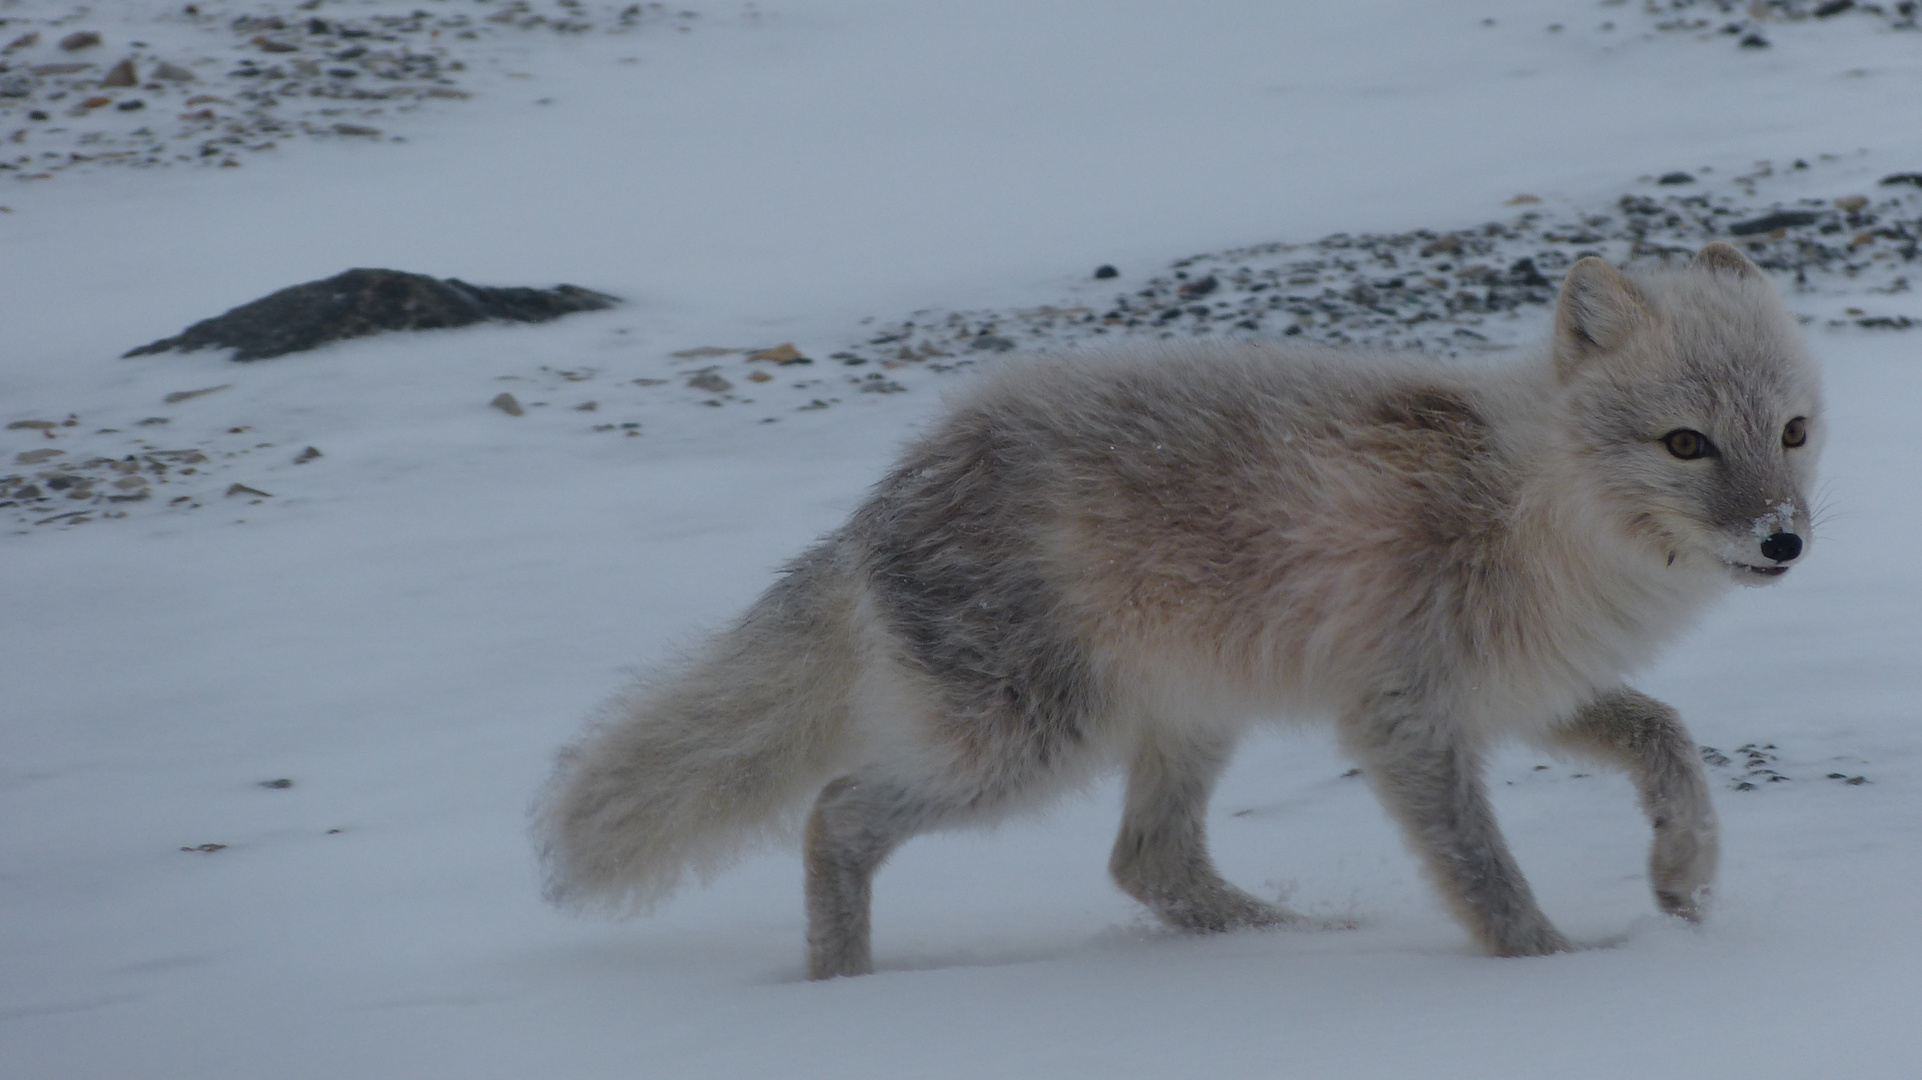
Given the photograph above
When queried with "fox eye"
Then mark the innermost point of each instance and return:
(1688, 444)
(1796, 432)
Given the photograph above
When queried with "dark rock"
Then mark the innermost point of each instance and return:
(362, 302)
(80, 39)
(307, 455)
(1902, 178)
(1676, 178)
(1755, 41)
(1833, 7)
(280, 784)
(710, 381)
(1781, 219)
(990, 342)
(507, 403)
(1524, 273)
(131, 106)
(1104, 272)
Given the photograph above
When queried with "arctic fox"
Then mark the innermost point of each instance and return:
(1123, 560)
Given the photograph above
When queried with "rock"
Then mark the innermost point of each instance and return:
(784, 353)
(307, 455)
(506, 403)
(79, 39)
(759, 376)
(356, 129)
(1781, 219)
(361, 302)
(1832, 7)
(35, 457)
(131, 106)
(267, 44)
(1104, 272)
(1755, 41)
(710, 381)
(206, 848)
(179, 396)
(990, 342)
(66, 68)
(32, 425)
(281, 784)
(242, 489)
(1201, 287)
(1522, 200)
(1851, 203)
(1901, 178)
(702, 352)
(1676, 178)
(121, 74)
(31, 37)
(172, 73)
(129, 483)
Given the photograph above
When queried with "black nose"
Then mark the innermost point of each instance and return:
(1782, 547)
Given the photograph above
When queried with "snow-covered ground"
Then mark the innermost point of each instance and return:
(409, 624)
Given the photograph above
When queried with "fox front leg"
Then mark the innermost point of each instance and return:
(1430, 780)
(1634, 732)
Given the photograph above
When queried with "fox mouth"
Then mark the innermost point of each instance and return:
(1760, 571)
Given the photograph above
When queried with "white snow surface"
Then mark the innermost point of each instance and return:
(412, 623)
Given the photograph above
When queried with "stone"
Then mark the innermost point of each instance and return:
(281, 784)
(307, 455)
(1676, 178)
(1901, 178)
(356, 129)
(121, 74)
(242, 489)
(1104, 272)
(1781, 219)
(66, 68)
(79, 39)
(35, 457)
(784, 353)
(1851, 203)
(366, 301)
(506, 403)
(32, 425)
(179, 396)
(172, 73)
(267, 44)
(710, 381)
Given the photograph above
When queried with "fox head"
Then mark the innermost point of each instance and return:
(1694, 407)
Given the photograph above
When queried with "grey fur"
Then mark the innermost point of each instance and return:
(1123, 560)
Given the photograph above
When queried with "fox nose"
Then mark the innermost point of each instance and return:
(1782, 547)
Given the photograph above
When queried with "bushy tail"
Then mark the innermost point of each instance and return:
(684, 771)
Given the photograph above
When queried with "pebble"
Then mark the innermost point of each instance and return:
(35, 457)
(507, 403)
(80, 39)
(307, 455)
(121, 74)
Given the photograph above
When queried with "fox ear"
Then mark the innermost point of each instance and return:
(1598, 310)
(1724, 257)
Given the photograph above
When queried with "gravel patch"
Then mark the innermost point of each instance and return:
(208, 83)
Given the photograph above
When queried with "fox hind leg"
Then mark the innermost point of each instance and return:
(857, 823)
(1635, 732)
(1161, 857)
